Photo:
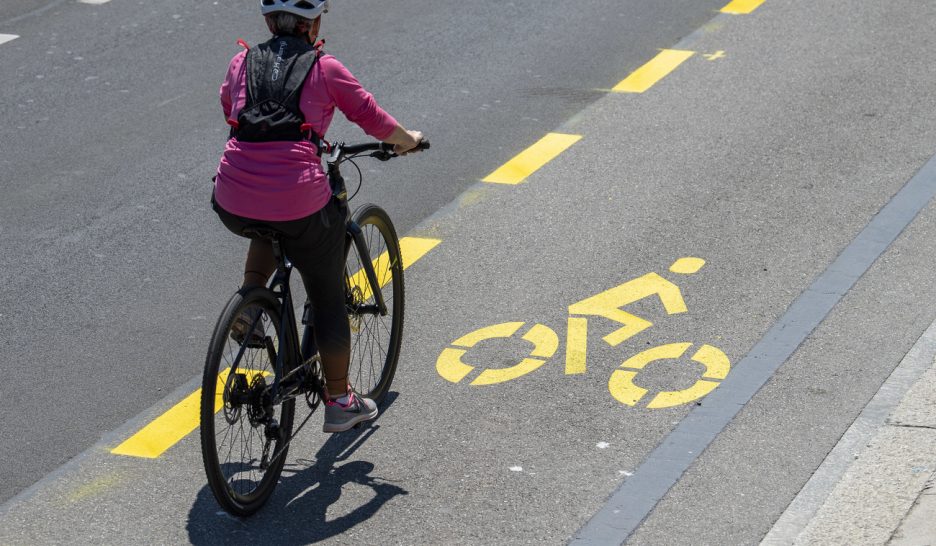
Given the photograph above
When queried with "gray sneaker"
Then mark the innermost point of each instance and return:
(340, 418)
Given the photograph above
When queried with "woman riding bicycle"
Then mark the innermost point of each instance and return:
(279, 98)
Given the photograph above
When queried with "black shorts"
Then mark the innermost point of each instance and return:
(316, 245)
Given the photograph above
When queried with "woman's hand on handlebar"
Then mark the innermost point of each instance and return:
(409, 147)
(404, 141)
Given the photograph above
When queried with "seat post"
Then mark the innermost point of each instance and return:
(278, 253)
(275, 237)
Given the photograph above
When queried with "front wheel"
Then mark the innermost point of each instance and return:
(375, 337)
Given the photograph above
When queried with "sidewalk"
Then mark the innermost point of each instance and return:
(878, 485)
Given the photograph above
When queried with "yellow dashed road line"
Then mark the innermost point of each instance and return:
(741, 7)
(166, 430)
(530, 160)
(655, 70)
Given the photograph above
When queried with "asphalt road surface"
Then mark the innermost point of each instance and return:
(115, 129)
(738, 178)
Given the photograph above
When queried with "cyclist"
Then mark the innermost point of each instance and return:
(279, 98)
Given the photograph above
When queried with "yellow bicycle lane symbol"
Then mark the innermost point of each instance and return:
(607, 305)
(625, 391)
(544, 339)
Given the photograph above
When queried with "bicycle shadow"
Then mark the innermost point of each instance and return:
(296, 513)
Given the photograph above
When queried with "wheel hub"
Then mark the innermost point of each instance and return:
(235, 391)
(357, 299)
(259, 410)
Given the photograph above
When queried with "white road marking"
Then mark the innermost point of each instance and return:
(4, 38)
(93, 1)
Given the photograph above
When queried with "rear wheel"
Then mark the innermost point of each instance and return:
(375, 338)
(241, 430)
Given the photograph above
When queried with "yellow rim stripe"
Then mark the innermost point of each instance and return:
(530, 160)
(655, 70)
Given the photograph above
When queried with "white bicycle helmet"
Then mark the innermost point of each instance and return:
(309, 9)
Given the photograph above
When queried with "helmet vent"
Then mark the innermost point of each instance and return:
(302, 8)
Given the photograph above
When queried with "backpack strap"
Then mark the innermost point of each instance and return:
(252, 75)
(300, 74)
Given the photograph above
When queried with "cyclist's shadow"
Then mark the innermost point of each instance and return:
(296, 513)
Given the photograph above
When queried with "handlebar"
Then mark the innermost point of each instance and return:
(382, 150)
(340, 152)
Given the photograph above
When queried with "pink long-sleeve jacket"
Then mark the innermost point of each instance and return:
(282, 181)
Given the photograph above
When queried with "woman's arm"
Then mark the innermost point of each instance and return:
(359, 106)
(235, 74)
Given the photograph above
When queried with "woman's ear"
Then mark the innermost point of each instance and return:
(314, 28)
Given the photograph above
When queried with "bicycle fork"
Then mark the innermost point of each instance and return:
(357, 236)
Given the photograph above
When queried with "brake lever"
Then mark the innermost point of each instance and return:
(383, 156)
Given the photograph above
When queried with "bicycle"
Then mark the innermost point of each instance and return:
(252, 378)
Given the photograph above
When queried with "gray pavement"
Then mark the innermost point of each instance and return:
(766, 163)
(114, 265)
(11, 12)
(918, 527)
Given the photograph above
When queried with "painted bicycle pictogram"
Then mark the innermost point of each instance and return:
(623, 383)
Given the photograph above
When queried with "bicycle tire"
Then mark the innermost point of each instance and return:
(232, 482)
(375, 339)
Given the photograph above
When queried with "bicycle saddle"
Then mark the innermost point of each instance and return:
(261, 231)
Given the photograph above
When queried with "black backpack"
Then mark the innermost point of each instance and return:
(276, 73)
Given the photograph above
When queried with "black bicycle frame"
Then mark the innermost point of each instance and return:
(279, 286)
(288, 327)
(355, 235)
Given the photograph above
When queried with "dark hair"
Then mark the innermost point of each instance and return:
(283, 23)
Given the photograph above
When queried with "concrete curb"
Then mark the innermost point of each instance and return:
(874, 487)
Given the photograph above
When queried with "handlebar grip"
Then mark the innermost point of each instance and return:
(387, 147)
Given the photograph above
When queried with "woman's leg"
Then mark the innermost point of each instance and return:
(332, 337)
(260, 263)
(322, 267)
(319, 255)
